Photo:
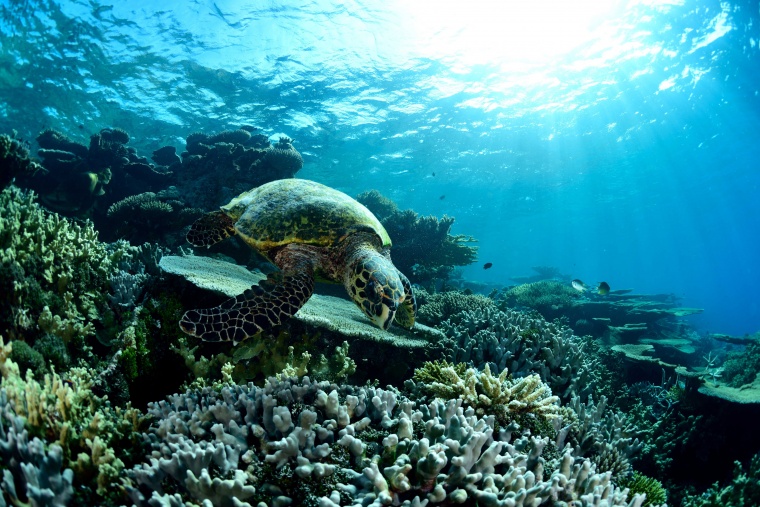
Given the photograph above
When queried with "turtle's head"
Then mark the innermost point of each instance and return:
(374, 284)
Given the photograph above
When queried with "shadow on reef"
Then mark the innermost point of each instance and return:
(536, 395)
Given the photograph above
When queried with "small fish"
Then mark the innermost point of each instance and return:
(442, 197)
(487, 265)
(81, 126)
(603, 289)
(579, 285)
(433, 174)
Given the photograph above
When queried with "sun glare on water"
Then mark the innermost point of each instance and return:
(506, 33)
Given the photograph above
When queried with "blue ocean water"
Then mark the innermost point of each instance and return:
(615, 140)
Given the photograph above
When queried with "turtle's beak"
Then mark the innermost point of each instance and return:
(387, 313)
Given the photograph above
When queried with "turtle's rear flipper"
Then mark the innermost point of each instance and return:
(211, 228)
(260, 308)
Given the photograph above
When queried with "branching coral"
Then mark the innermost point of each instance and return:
(641, 484)
(607, 437)
(31, 475)
(378, 204)
(336, 368)
(66, 411)
(14, 160)
(502, 396)
(54, 274)
(548, 297)
(149, 217)
(744, 490)
(308, 443)
(524, 345)
(442, 305)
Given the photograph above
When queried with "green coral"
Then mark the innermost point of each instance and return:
(53, 349)
(744, 490)
(437, 371)
(336, 368)
(439, 307)
(638, 483)
(741, 368)
(504, 397)
(14, 159)
(63, 409)
(548, 297)
(28, 358)
(381, 206)
(55, 274)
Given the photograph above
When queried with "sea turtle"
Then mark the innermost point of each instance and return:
(309, 231)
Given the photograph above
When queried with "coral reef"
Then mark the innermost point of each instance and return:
(549, 297)
(504, 397)
(151, 217)
(744, 490)
(440, 306)
(14, 160)
(315, 443)
(90, 331)
(86, 428)
(55, 274)
(524, 345)
(218, 167)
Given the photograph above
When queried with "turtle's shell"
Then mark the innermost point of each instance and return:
(299, 211)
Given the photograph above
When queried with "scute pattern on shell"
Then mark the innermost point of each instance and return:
(299, 211)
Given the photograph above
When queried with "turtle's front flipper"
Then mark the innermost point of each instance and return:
(260, 308)
(211, 228)
(408, 309)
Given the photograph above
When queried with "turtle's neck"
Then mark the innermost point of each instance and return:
(352, 250)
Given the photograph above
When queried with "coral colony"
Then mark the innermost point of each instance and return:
(535, 394)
